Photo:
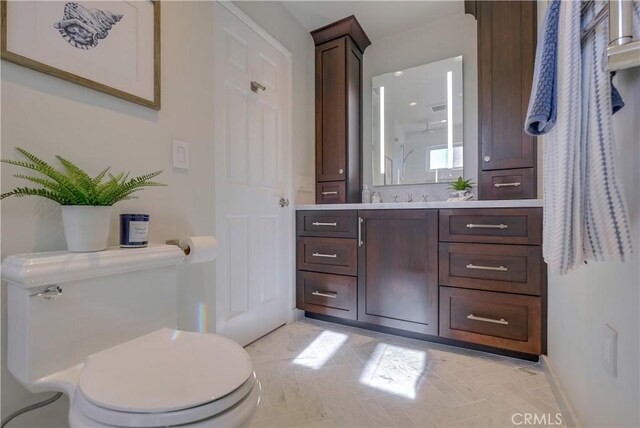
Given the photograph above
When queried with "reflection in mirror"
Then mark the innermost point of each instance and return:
(417, 124)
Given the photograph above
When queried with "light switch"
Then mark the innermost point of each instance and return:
(180, 154)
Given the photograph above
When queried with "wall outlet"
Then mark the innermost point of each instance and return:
(610, 350)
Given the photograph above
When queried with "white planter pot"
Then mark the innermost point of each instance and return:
(86, 227)
(460, 196)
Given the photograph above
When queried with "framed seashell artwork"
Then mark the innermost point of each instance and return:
(109, 46)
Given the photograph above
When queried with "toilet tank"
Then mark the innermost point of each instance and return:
(106, 298)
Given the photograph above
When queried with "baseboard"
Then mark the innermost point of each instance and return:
(569, 413)
(296, 315)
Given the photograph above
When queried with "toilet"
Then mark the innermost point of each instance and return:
(100, 327)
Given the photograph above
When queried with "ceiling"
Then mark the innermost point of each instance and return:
(380, 19)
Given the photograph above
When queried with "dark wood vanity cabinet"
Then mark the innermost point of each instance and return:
(327, 263)
(499, 320)
(339, 48)
(398, 269)
(493, 278)
(506, 54)
(470, 276)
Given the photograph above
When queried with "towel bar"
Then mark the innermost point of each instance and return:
(623, 51)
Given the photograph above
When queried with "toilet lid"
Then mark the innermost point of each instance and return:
(164, 371)
(247, 397)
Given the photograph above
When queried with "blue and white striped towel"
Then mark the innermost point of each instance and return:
(585, 216)
(606, 225)
(542, 112)
(563, 194)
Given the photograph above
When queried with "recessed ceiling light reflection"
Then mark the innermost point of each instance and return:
(413, 104)
(398, 73)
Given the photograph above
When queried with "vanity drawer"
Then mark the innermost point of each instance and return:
(326, 294)
(333, 192)
(506, 268)
(500, 320)
(330, 255)
(331, 224)
(492, 225)
(508, 184)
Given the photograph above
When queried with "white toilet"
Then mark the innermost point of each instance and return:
(100, 327)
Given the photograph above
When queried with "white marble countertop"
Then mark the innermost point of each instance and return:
(514, 203)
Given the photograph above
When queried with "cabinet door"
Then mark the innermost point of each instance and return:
(506, 53)
(398, 269)
(331, 104)
(353, 172)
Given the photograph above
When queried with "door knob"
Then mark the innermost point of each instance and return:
(255, 87)
(284, 202)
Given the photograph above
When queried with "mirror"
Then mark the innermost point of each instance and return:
(417, 124)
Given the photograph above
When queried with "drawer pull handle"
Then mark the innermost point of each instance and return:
(498, 268)
(321, 294)
(487, 226)
(491, 320)
(317, 223)
(334, 192)
(328, 256)
(360, 241)
(514, 184)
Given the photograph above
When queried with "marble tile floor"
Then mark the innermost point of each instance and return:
(319, 374)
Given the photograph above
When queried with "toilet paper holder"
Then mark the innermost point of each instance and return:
(196, 249)
(184, 247)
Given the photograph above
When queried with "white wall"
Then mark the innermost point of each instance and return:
(279, 22)
(582, 302)
(455, 35)
(49, 116)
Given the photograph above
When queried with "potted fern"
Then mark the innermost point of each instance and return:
(86, 201)
(461, 190)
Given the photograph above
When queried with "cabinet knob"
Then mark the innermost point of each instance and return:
(341, 171)
(487, 158)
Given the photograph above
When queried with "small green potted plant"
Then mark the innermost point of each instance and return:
(86, 201)
(461, 190)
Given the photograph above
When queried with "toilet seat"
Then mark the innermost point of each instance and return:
(179, 417)
(168, 377)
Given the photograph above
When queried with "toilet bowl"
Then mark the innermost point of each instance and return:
(166, 378)
(100, 327)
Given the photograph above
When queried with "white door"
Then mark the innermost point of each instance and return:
(254, 274)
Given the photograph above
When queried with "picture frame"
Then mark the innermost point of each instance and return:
(88, 43)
